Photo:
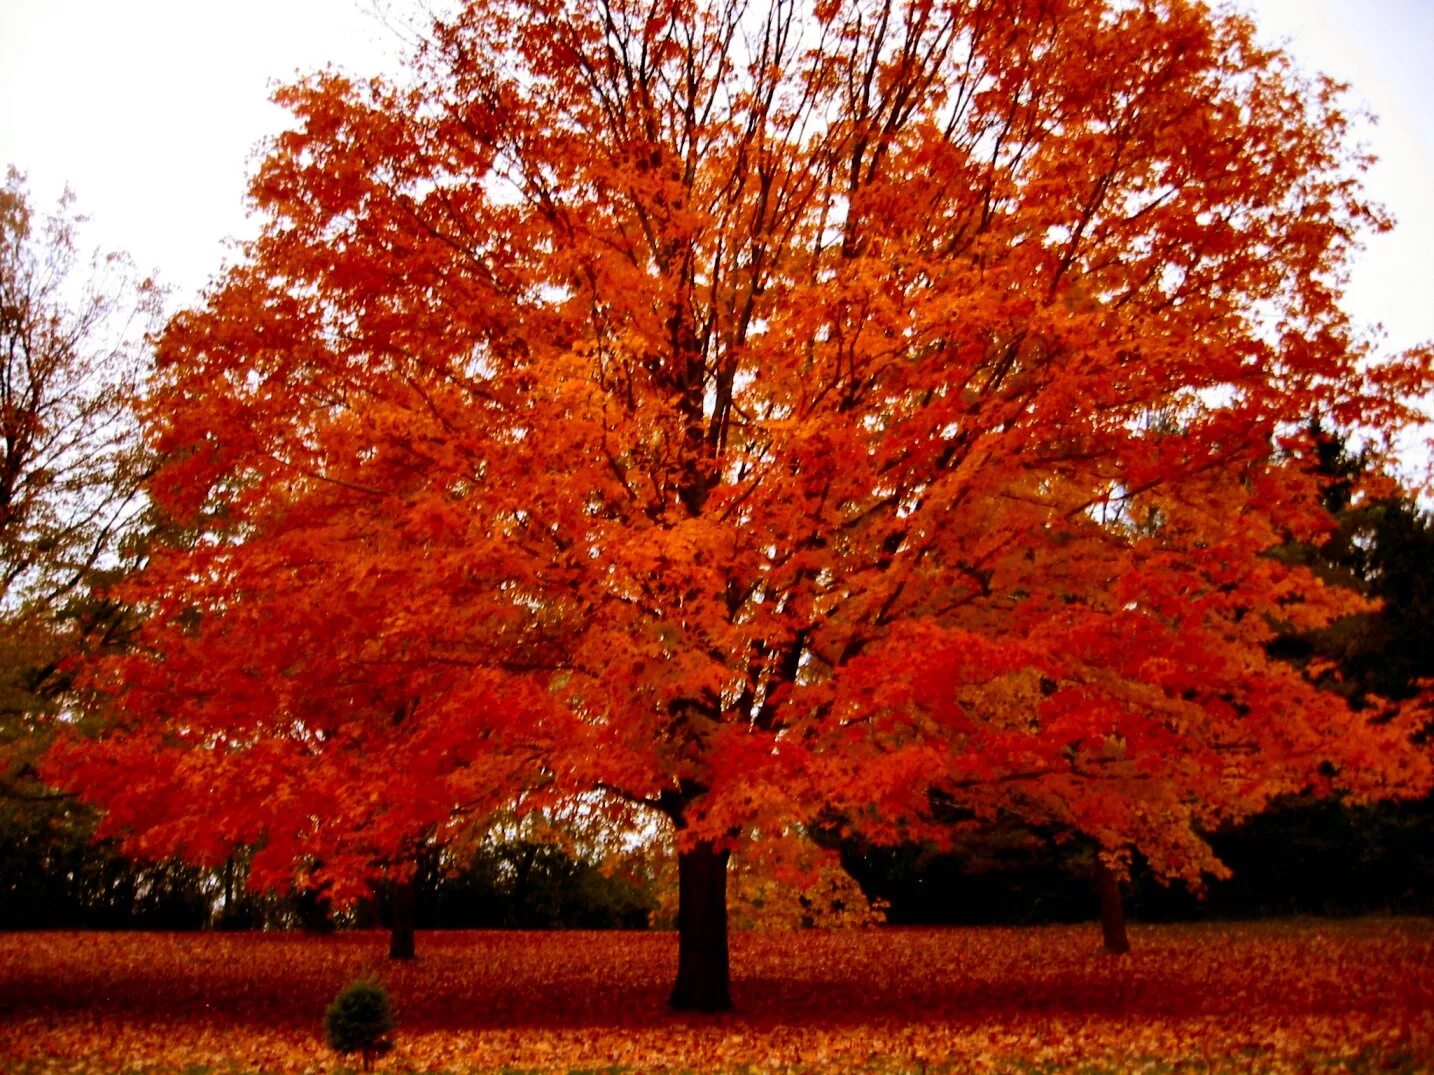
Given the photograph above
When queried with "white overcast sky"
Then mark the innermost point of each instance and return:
(151, 111)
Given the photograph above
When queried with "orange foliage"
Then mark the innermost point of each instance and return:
(1266, 997)
(871, 410)
(777, 882)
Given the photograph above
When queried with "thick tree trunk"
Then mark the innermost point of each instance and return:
(1112, 910)
(703, 975)
(400, 938)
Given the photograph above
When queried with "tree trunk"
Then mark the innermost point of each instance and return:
(517, 916)
(227, 918)
(703, 975)
(400, 937)
(1112, 910)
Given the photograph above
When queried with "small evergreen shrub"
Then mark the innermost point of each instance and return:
(359, 1021)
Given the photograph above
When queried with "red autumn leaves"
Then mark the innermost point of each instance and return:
(1260, 997)
(762, 416)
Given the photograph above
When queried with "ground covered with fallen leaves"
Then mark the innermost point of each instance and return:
(1298, 996)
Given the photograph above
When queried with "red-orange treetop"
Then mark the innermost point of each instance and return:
(765, 413)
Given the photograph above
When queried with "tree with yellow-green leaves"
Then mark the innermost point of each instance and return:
(72, 329)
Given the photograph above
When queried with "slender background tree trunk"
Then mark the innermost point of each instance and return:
(703, 975)
(1112, 910)
(228, 889)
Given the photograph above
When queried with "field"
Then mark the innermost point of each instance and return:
(1283, 996)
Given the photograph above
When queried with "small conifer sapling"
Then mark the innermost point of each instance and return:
(359, 1021)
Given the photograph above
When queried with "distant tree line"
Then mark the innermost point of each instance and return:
(1309, 857)
(52, 876)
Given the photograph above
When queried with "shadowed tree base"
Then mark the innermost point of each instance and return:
(703, 976)
(1112, 910)
(400, 937)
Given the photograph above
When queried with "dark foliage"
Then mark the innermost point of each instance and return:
(1304, 857)
(359, 1021)
(52, 876)
(526, 885)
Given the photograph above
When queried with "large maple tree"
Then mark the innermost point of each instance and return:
(863, 412)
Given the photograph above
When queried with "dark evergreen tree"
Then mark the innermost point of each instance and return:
(359, 1021)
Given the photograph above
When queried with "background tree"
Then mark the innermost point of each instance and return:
(1381, 545)
(71, 467)
(1339, 856)
(762, 413)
